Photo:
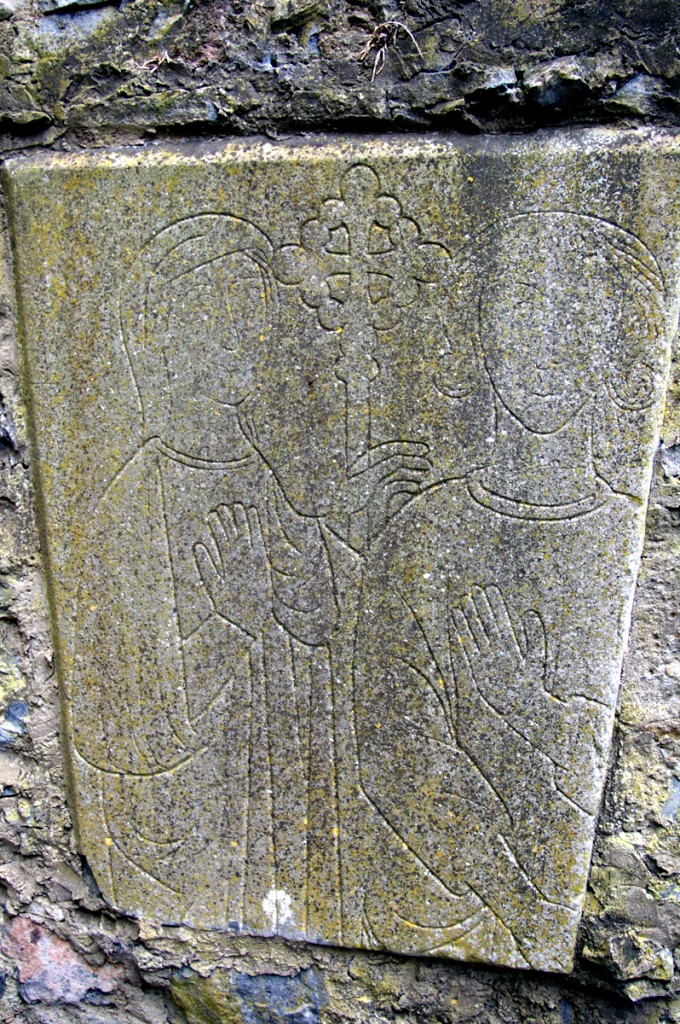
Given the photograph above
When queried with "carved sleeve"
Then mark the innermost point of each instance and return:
(302, 578)
(128, 708)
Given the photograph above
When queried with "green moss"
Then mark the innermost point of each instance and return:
(206, 1000)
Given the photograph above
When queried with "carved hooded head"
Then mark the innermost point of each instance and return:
(568, 305)
(196, 311)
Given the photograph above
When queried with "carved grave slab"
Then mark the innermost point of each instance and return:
(342, 451)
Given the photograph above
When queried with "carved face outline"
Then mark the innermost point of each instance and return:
(196, 308)
(547, 318)
(539, 354)
(225, 303)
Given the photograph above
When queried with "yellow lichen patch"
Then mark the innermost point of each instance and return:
(12, 680)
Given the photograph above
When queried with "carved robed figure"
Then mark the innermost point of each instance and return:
(494, 615)
(204, 720)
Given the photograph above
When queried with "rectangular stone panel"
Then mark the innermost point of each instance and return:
(342, 450)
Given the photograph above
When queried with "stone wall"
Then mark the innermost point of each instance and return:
(77, 75)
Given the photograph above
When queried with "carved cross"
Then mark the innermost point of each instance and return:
(360, 262)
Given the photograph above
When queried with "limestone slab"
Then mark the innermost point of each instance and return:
(342, 450)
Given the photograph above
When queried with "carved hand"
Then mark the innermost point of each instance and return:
(232, 562)
(506, 666)
(377, 487)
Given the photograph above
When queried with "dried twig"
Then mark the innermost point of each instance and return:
(155, 62)
(385, 35)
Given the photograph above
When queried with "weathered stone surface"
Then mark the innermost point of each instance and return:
(343, 451)
(265, 66)
(231, 997)
(49, 970)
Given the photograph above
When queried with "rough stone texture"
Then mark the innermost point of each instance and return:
(144, 69)
(49, 969)
(344, 520)
(278, 65)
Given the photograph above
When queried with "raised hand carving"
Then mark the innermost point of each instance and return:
(377, 487)
(232, 562)
(506, 665)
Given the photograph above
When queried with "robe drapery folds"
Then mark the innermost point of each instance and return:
(212, 750)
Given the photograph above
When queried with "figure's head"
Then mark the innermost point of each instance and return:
(565, 304)
(196, 312)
